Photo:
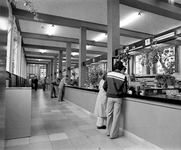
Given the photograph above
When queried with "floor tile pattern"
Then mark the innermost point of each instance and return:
(62, 126)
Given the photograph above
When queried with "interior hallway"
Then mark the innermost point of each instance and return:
(63, 126)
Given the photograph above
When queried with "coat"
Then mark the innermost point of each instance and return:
(101, 101)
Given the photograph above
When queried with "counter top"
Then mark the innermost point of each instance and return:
(168, 99)
(157, 88)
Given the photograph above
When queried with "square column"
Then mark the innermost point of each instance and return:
(18, 59)
(46, 70)
(113, 18)
(82, 56)
(51, 71)
(68, 59)
(55, 67)
(10, 44)
(60, 64)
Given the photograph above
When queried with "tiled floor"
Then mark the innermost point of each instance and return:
(62, 126)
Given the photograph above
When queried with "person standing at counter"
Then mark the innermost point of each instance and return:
(101, 104)
(62, 87)
(116, 86)
(54, 83)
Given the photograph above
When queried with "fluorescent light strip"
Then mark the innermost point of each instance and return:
(51, 30)
(129, 19)
(3, 23)
(100, 37)
(135, 48)
(165, 36)
(74, 53)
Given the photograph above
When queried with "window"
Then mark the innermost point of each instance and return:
(42, 73)
(167, 61)
(138, 66)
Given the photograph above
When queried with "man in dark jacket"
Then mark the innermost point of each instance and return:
(36, 83)
(116, 86)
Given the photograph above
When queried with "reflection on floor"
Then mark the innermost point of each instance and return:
(63, 126)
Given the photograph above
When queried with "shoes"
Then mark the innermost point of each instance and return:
(54, 97)
(113, 137)
(102, 127)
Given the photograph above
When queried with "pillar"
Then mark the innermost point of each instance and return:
(3, 51)
(55, 68)
(60, 64)
(19, 50)
(10, 44)
(68, 59)
(82, 56)
(113, 29)
(46, 70)
(51, 70)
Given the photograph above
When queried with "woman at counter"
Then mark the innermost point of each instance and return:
(100, 107)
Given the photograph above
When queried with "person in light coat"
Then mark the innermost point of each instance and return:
(61, 87)
(100, 107)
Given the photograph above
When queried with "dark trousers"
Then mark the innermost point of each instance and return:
(44, 86)
(61, 93)
(53, 91)
(36, 86)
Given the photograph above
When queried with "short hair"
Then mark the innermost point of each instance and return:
(124, 68)
(118, 65)
(104, 76)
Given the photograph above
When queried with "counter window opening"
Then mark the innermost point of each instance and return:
(164, 62)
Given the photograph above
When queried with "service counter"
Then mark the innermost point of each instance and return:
(154, 119)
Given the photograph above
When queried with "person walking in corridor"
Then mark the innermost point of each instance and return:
(44, 83)
(61, 87)
(36, 83)
(116, 86)
(101, 104)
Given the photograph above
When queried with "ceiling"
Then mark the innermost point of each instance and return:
(157, 16)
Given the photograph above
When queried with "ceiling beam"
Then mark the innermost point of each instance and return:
(60, 48)
(34, 58)
(155, 7)
(41, 54)
(37, 62)
(59, 39)
(62, 21)
(38, 57)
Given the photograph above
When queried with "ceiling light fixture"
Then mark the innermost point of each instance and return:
(74, 53)
(88, 46)
(100, 37)
(4, 23)
(51, 29)
(42, 51)
(131, 18)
